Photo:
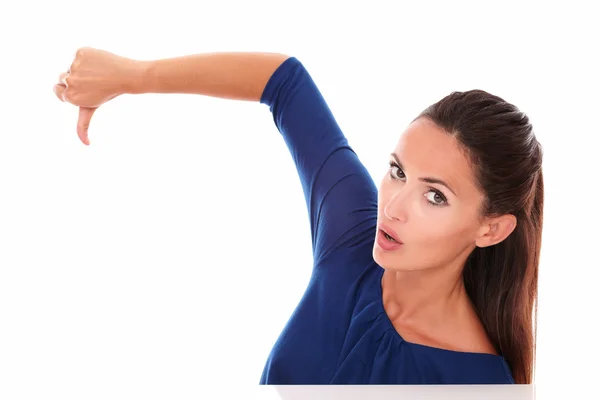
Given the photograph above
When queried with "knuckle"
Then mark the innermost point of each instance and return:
(82, 51)
(79, 55)
(75, 65)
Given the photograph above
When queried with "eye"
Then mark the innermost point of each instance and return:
(395, 167)
(436, 198)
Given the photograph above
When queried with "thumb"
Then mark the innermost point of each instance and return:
(83, 124)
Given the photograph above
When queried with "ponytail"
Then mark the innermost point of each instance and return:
(502, 282)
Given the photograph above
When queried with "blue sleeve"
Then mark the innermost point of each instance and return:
(340, 195)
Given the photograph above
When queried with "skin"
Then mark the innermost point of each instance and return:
(96, 76)
(423, 292)
(422, 287)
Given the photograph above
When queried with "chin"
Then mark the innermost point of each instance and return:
(386, 260)
(394, 262)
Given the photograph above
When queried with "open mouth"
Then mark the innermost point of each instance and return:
(388, 237)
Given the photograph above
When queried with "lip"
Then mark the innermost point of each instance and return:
(385, 244)
(390, 232)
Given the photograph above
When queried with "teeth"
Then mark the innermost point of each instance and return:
(389, 237)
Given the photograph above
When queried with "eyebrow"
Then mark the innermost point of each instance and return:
(425, 179)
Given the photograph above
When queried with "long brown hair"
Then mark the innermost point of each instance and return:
(502, 280)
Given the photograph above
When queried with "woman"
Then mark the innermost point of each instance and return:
(430, 278)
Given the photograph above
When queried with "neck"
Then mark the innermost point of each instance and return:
(429, 296)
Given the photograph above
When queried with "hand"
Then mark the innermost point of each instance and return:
(95, 77)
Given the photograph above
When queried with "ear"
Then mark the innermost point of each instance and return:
(495, 230)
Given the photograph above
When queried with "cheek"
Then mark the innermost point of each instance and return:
(441, 228)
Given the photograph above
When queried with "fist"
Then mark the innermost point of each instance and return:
(95, 77)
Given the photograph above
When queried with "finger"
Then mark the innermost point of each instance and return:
(83, 123)
(59, 91)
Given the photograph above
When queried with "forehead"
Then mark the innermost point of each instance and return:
(425, 150)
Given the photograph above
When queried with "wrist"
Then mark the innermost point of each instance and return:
(139, 78)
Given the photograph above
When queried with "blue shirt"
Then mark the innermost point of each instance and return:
(340, 333)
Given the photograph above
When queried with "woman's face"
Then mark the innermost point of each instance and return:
(430, 202)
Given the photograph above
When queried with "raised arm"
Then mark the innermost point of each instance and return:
(340, 195)
(235, 76)
(97, 76)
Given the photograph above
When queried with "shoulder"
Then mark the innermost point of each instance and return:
(480, 344)
(471, 337)
(478, 339)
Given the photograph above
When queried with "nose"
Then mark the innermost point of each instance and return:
(396, 207)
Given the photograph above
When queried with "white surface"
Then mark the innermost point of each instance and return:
(115, 278)
(490, 392)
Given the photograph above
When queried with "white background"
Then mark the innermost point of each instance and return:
(169, 254)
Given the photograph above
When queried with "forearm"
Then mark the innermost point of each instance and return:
(231, 75)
